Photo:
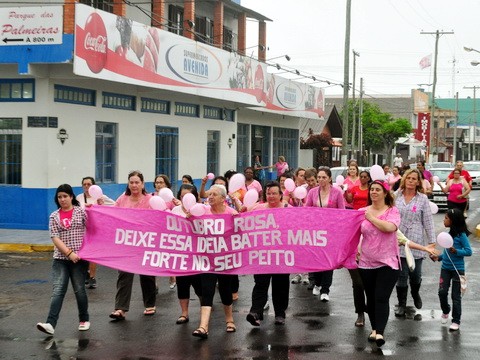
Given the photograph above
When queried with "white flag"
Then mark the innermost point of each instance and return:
(426, 62)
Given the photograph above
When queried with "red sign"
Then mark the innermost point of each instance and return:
(423, 128)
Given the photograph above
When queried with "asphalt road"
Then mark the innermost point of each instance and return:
(314, 330)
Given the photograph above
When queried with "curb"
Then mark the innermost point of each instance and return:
(25, 248)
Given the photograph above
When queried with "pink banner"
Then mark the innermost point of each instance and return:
(287, 240)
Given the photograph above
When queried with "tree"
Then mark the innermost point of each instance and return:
(316, 141)
(380, 129)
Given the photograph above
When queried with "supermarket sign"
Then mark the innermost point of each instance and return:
(40, 25)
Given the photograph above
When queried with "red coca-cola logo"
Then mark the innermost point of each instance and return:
(95, 43)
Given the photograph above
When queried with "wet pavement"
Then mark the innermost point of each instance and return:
(313, 330)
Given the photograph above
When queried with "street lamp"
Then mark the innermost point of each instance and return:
(475, 63)
(281, 56)
(468, 49)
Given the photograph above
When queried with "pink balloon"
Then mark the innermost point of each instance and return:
(250, 198)
(300, 192)
(339, 180)
(157, 203)
(166, 194)
(436, 179)
(188, 201)
(289, 185)
(198, 210)
(177, 210)
(377, 173)
(433, 207)
(445, 240)
(210, 176)
(237, 181)
(95, 192)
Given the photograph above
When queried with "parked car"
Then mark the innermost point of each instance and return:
(473, 168)
(342, 170)
(438, 196)
(441, 165)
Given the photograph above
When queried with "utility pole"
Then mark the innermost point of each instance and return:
(432, 117)
(474, 119)
(354, 122)
(455, 130)
(346, 66)
(360, 122)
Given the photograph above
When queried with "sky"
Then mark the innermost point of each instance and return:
(386, 34)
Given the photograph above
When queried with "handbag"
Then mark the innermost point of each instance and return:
(408, 252)
(462, 278)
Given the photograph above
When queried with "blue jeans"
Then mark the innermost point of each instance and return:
(447, 276)
(415, 276)
(62, 271)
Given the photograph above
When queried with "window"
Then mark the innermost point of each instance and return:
(74, 95)
(166, 153)
(210, 112)
(213, 151)
(243, 147)
(11, 151)
(118, 101)
(155, 106)
(175, 19)
(229, 115)
(286, 143)
(106, 152)
(17, 90)
(184, 109)
(204, 30)
(105, 5)
(229, 40)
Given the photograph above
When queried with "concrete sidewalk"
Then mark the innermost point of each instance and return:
(14, 240)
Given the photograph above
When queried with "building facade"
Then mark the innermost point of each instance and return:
(99, 89)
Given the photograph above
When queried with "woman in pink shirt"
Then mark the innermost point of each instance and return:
(281, 166)
(324, 195)
(250, 182)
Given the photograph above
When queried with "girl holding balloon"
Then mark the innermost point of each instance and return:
(417, 225)
(92, 195)
(456, 247)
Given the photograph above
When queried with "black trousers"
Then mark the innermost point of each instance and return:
(323, 279)
(379, 284)
(184, 283)
(209, 282)
(280, 293)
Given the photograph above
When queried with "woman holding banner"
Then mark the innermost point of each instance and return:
(216, 199)
(324, 195)
(135, 197)
(184, 282)
(272, 197)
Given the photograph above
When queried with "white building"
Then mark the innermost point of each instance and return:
(86, 92)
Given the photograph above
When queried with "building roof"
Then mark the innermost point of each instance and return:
(400, 106)
(240, 9)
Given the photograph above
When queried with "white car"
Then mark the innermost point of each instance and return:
(473, 168)
(438, 196)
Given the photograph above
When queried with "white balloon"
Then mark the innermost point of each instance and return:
(433, 207)
(445, 240)
(188, 201)
(177, 210)
(339, 180)
(198, 210)
(157, 203)
(300, 192)
(250, 198)
(95, 192)
(436, 179)
(237, 181)
(166, 194)
(289, 185)
(377, 173)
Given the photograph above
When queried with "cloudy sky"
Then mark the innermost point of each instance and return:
(386, 33)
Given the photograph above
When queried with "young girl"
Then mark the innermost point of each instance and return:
(452, 261)
(67, 227)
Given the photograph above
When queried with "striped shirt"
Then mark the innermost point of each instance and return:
(416, 221)
(72, 237)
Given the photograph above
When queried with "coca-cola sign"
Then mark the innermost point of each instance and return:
(95, 43)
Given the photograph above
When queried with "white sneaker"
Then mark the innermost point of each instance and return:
(316, 290)
(454, 327)
(305, 280)
(266, 307)
(46, 328)
(84, 325)
(324, 297)
(296, 279)
(444, 318)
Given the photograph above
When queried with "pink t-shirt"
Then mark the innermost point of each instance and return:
(455, 190)
(228, 210)
(125, 202)
(380, 248)
(254, 185)
(66, 218)
(263, 206)
(281, 167)
(335, 198)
